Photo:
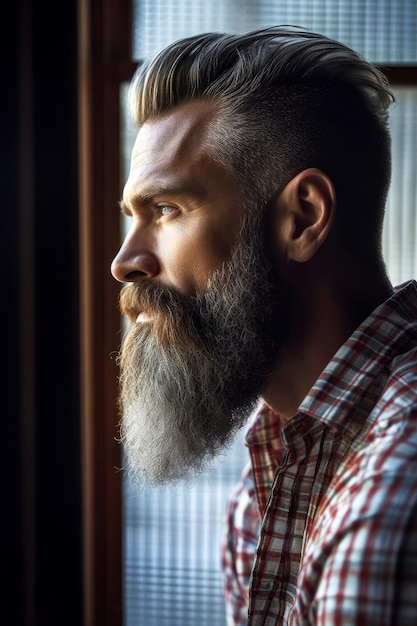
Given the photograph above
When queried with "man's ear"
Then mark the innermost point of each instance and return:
(306, 207)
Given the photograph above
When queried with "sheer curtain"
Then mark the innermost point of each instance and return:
(171, 540)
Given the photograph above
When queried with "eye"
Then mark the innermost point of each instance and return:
(166, 209)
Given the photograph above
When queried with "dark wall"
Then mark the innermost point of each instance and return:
(41, 511)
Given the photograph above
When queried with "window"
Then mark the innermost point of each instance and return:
(171, 537)
(400, 229)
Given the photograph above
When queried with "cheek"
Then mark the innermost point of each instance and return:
(210, 253)
(189, 260)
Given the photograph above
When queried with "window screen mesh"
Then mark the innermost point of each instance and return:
(400, 229)
(172, 557)
(172, 573)
(383, 30)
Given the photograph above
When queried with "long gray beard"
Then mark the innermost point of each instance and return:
(191, 378)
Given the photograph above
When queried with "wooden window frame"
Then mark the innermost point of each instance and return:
(104, 63)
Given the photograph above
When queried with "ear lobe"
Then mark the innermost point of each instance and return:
(309, 201)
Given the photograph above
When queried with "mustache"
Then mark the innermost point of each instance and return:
(176, 319)
(148, 297)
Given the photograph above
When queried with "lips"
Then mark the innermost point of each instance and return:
(144, 317)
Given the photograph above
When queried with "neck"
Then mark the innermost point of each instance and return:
(324, 315)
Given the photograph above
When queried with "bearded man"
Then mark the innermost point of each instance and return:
(256, 193)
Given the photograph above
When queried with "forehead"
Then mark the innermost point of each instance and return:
(175, 140)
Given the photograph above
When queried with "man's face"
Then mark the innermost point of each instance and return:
(185, 208)
(206, 313)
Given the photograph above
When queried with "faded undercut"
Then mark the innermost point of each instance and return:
(288, 99)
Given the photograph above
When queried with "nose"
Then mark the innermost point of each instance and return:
(132, 263)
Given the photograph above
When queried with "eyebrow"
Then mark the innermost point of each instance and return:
(147, 195)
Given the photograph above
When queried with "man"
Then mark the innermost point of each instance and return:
(256, 194)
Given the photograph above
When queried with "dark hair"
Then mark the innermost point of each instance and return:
(287, 99)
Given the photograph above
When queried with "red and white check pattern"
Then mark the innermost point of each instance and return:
(337, 486)
(242, 527)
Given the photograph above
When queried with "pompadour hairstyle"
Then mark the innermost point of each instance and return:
(287, 99)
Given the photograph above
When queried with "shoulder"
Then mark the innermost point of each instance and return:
(375, 485)
(390, 442)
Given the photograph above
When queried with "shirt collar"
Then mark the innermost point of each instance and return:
(348, 377)
(355, 373)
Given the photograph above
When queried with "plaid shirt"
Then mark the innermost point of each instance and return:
(242, 527)
(337, 486)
